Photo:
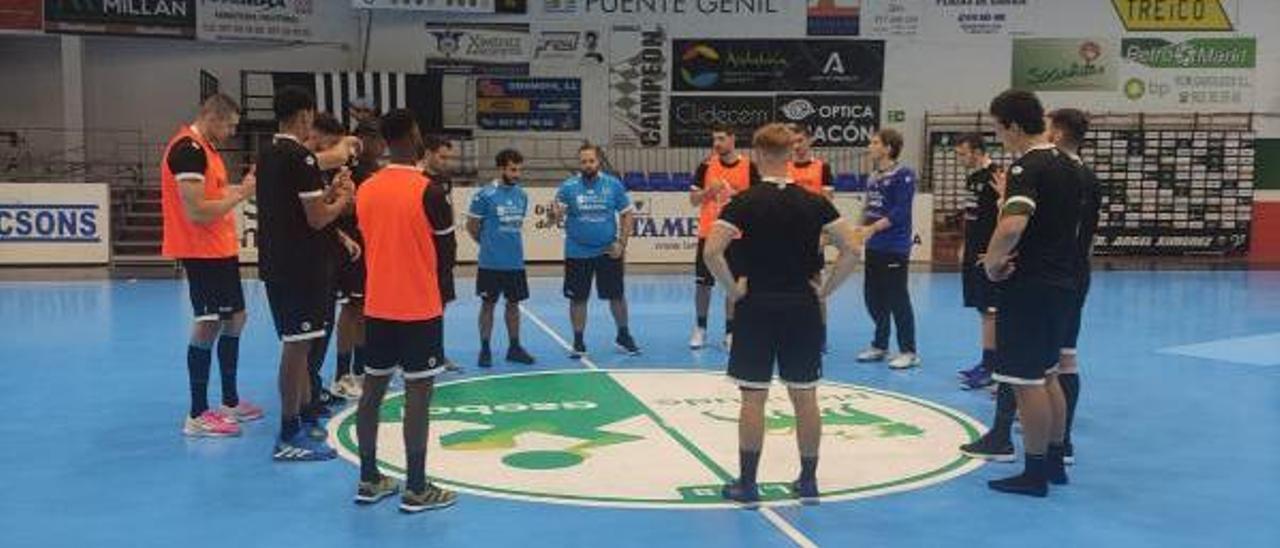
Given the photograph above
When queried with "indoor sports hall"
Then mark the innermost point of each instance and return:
(175, 175)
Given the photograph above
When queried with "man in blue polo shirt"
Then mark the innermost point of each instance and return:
(496, 222)
(594, 245)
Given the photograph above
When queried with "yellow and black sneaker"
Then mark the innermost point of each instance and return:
(432, 498)
(370, 492)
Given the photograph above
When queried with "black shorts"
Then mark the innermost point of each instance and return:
(214, 287)
(607, 272)
(1029, 331)
(786, 327)
(414, 348)
(1072, 336)
(301, 306)
(702, 274)
(510, 284)
(979, 292)
(350, 281)
(448, 293)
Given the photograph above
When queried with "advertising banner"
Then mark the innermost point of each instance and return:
(833, 120)
(1195, 73)
(1065, 64)
(54, 223)
(638, 76)
(21, 15)
(268, 20)
(529, 104)
(163, 18)
(693, 116)
(777, 65)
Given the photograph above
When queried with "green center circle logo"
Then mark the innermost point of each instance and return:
(660, 438)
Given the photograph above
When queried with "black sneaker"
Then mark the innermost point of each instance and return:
(746, 495)
(627, 345)
(1069, 455)
(485, 360)
(805, 491)
(517, 354)
(988, 448)
(579, 351)
(1021, 484)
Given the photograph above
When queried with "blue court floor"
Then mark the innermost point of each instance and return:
(1178, 434)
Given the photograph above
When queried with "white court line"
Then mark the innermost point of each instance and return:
(769, 514)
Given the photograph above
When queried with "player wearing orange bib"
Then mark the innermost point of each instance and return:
(724, 173)
(200, 231)
(809, 172)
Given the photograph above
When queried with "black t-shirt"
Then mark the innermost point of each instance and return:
(1090, 207)
(981, 211)
(187, 157)
(1051, 183)
(446, 241)
(781, 226)
(348, 223)
(288, 173)
(436, 202)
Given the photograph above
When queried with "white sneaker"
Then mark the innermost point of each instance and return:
(698, 339)
(872, 354)
(728, 342)
(346, 388)
(905, 361)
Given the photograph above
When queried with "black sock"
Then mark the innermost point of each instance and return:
(702, 322)
(988, 359)
(357, 362)
(369, 464)
(809, 468)
(484, 346)
(289, 427)
(1070, 383)
(514, 342)
(228, 362)
(728, 327)
(1054, 463)
(748, 462)
(1036, 467)
(623, 332)
(417, 471)
(578, 339)
(343, 367)
(1006, 410)
(198, 364)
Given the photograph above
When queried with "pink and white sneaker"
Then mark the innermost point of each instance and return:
(210, 424)
(244, 412)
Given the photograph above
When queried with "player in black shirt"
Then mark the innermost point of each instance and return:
(777, 299)
(980, 213)
(334, 151)
(1067, 128)
(349, 371)
(294, 207)
(438, 164)
(1039, 224)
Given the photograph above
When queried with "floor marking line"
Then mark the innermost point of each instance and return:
(773, 517)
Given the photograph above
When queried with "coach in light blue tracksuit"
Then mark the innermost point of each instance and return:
(595, 245)
(891, 190)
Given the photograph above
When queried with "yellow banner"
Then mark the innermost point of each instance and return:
(1172, 15)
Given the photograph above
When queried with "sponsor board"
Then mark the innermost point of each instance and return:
(160, 18)
(1064, 64)
(266, 20)
(777, 65)
(833, 17)
(1198, 73)
(1175, 15)
(529, 104)
(54, 223)
(833, 120)
(691, 117)
(638, 76)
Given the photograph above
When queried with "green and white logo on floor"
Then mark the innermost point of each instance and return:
(654, 438)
